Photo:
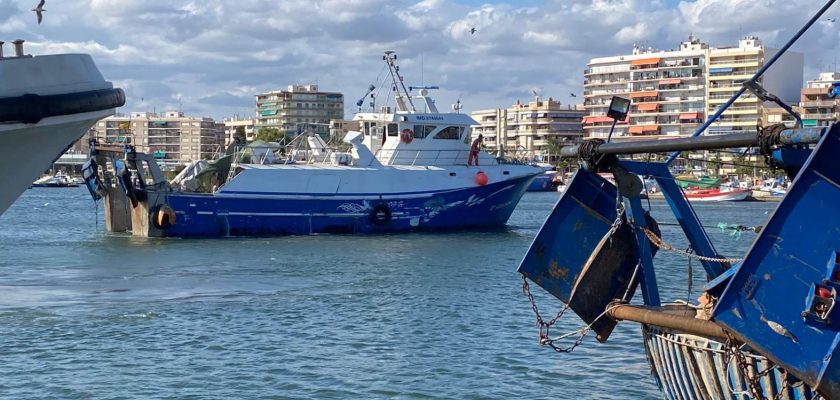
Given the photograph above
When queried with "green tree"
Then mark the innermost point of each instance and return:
(269, 134)
(239, 134)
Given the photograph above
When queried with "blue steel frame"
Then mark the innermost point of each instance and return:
(684, 214)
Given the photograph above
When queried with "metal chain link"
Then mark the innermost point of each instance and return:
(544, 327)
(658, 242)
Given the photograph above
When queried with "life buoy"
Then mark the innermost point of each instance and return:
(406, 136)
(163, 216)
(380, 214)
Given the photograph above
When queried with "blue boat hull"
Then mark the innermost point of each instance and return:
(216, 215)
(541, 183)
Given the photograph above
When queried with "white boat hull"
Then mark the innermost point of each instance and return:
(734, 195)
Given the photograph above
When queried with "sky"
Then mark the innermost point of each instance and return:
(209, 57)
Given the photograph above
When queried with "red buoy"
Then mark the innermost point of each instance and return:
(481, 178)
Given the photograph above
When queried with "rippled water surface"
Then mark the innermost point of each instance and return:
(86, 315)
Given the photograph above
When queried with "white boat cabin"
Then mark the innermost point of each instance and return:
(405, 137)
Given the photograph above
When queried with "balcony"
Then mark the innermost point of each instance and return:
(819, 103)
(820, 116)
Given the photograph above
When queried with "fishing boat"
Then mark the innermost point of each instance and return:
(46, 103)
(407, 169)
(767, 325)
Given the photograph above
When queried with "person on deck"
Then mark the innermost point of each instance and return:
(474, 148)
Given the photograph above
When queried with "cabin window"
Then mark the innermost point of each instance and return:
(393, 130)
(422, 131)
(450, 132)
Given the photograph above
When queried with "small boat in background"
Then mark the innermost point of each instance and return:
(724, 194)
(58, 180)
(692, 182)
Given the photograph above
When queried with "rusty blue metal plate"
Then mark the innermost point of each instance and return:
(780, 301)
(575, 259)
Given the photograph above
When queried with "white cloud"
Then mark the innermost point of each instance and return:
(213, 53)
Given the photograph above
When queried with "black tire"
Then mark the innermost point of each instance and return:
(380, 214)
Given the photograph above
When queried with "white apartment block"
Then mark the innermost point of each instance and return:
(674, 91)
(235, 123)
(297, 108)
(528, 127)
(171, 137)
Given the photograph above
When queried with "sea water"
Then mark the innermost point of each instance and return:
(85, 314)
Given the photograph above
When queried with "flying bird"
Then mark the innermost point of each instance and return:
(472, 31)
(40, 10)
(572, 94)
(832, 19)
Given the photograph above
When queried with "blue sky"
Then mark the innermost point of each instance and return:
(211, 56)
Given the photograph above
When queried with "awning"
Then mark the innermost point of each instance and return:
(719, 70)
(645, 61)
(650, 128)
(636, 95)
(636, 129)
(694, 115)
(268, 112)
(648, 107)
(596, 119)
(670, 81)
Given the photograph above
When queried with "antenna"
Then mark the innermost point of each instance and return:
(390, 59)
(457, 107)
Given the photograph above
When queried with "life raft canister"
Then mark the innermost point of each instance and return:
(163, 216)
(406, 136)
(380, 214)
(481, 178)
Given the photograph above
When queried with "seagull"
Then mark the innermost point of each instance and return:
(39, 11)
(572, 94)
(472, 30)
(832, 19)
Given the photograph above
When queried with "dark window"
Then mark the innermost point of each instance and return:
(450, 132)
(422, 131)
(392, 130)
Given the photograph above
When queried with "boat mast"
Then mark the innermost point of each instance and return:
(390, 59)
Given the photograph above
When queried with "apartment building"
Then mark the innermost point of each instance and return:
(171, 137)
(816, 107)
(236, 123)
(297, 108)
(730, 67)
(674, 91)
(528, 127)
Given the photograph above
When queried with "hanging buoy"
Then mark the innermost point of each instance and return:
(406, 136)
(481, 178)
(163, 216)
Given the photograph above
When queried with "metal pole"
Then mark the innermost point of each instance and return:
(757, 75)
(787, 137)
(653, 316)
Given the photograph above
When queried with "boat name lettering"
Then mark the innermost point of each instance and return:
(428, 118)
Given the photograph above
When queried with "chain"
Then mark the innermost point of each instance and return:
(544, 327)
(753, 383)
(658, 242)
